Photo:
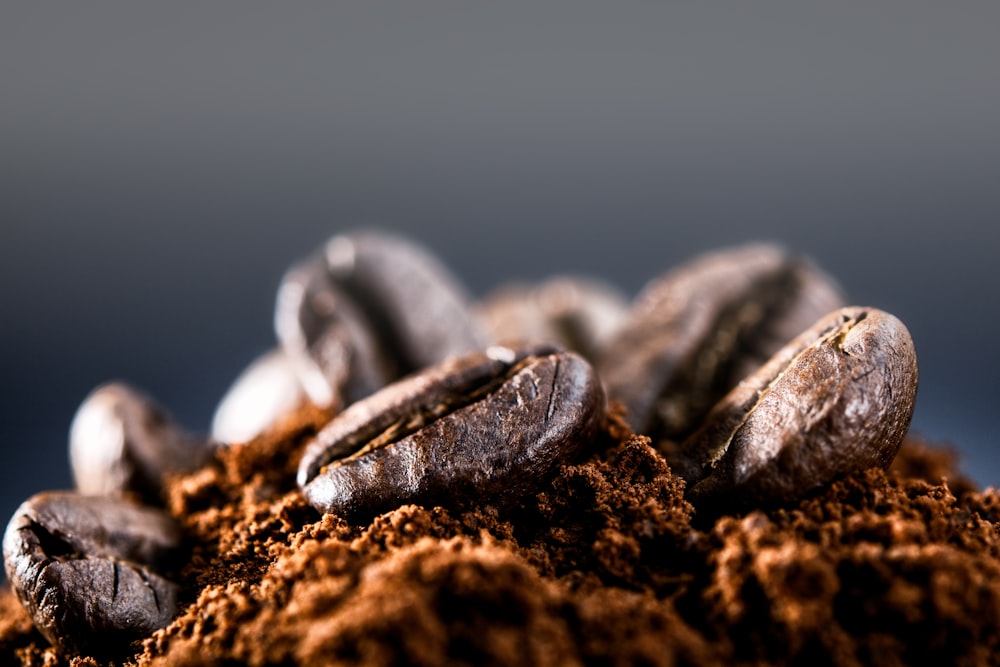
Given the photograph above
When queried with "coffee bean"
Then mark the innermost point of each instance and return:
(420, 308)
(488, 427)
(264, 393)
(372, 308)
(120, 440)
(695, 332)
(329, 341)
(836, 399)
(89, 569)
(578, 313)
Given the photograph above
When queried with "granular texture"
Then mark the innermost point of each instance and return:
(606, 565)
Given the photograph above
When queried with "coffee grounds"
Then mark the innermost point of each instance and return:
(607, 565)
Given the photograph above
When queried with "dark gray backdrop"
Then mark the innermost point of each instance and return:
(161, 166)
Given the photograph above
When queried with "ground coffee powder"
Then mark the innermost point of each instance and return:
(606, 565)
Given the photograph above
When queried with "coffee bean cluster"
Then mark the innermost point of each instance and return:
(743, 367)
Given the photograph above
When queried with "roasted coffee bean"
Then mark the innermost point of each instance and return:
(330, 343)
(262, 395)
(419, 308)
(836, 399)
(90, 569)
(488, 427)
(120, 440)
(372, 308)
(695, 332)
(578, 313)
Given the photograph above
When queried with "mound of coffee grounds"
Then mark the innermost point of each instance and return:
(608, 564)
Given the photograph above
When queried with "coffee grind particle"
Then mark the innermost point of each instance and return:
(606, 565)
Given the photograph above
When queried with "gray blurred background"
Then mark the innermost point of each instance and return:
(160, 167)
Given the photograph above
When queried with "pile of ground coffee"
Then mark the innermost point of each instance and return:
(608, 564)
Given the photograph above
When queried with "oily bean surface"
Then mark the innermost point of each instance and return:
(369, 309)
(580, 314)
(329, 341)
(421, 311)
(121, 441)
(90, 569)
(837, 399)
(488, 427)
(698, 330)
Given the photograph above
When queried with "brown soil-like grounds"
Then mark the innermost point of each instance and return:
(607, 565)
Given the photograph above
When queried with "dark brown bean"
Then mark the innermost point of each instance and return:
(836, 399)
(579, 313)
(420, 310)
(370, 309)
(329, 341)
(695, 332)
(90, 569)
(488, 427)
(120, 440)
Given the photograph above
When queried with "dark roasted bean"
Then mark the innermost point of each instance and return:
(488, 427)
(695, 332)
(419, 307)
(836, 399)
(578, 313)
(329, 341)
(121, 441)
(372, 308)
(90, 569)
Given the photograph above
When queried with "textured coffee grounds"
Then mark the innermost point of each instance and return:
(607, 565)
